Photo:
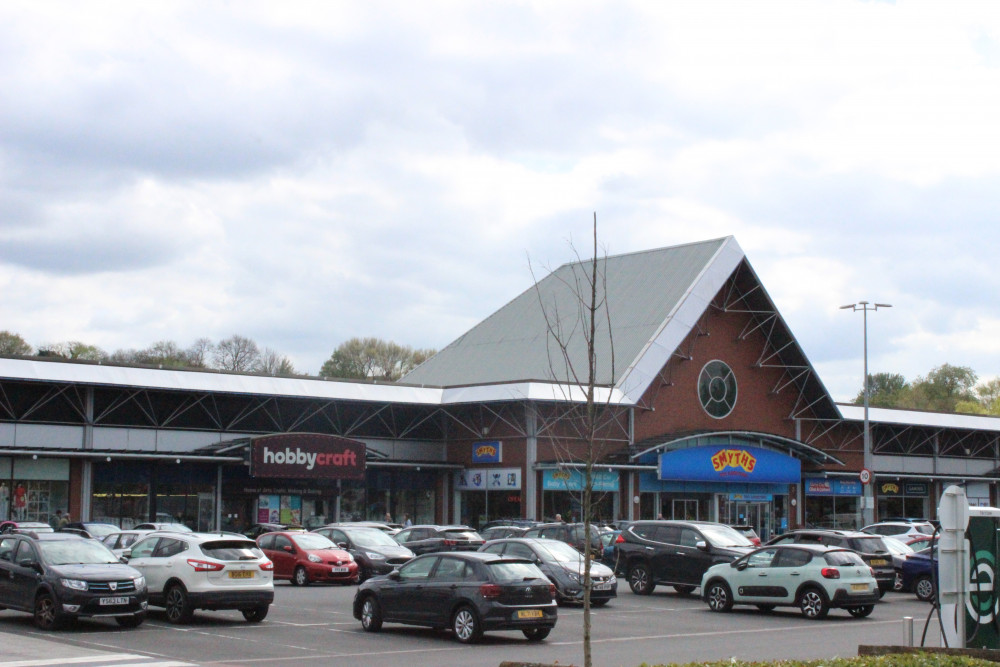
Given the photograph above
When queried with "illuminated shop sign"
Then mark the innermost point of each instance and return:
(573, 480)
(487, 452)
(488, 479)
(729, 463)
(902, 489)
(307, 456)
(821, 486)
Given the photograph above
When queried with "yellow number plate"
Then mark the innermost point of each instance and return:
(859, 587)
(879, 561)
(530, 613)
(241, 574)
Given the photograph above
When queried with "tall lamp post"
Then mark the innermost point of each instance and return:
(868, 511)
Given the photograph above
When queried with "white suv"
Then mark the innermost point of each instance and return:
(188, 571)
(901, 529)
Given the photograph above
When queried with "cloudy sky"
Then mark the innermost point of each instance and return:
(301, 173)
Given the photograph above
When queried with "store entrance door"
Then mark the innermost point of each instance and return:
(750, 513)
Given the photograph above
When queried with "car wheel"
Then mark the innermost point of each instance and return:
(599, 603)
(685, 590)
(47, 612)
(813, 603)
(130, 621)
(536, 634)
(924, 588)
(720, 598)
(465, 624)
(766, 608)
(897, 584)
(861, 612)
(257, 614)
(371, 615)
(300, 577)
(640, 580)
(179, 609)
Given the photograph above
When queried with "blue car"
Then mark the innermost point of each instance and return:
(920, 574)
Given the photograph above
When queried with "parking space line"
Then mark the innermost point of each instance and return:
(71, 661)
(341, 655)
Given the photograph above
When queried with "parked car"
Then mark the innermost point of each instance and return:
(920, 574)
(812, 577)
(609, 553)
(374, 551)
(91, 529)
(921, 542)
(468, 592)
(59, 577)
(900, 528)
(24, 526)
(871, 548)
(390, 529)
(189, 571)
(563, 565)
(748, 532)
(428, 539)
(500, 532)
(259, 529)
(676, 553)
(307, 557)
(572, 534)
(157, 525)
(119, 542)
(900, 552)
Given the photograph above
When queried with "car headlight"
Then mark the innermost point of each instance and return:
(75, 584)
(374, 556)
(313, 558)
(140, 583)
(573, 576)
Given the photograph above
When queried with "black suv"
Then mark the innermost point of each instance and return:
(428, 539)
(61, 576)
(676, 553)
(871, 548)
(570, 533)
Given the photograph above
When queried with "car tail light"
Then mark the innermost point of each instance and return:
(830, 573)
(267, 566)
(204, 565)
(489, 591)
(620, 539)
(449, 543)
(552, 590)
(872, 570)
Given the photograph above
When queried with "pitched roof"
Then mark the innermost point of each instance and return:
(653, 299)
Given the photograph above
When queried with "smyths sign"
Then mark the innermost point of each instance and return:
(307, 456)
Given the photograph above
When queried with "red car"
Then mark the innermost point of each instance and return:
(307, 557)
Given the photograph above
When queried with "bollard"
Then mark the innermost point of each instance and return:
(907, 631)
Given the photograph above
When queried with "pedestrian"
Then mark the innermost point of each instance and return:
(388, 518)
(659, 517)
(406, 521)
(559, 517)
(56, 520)
(65, 520)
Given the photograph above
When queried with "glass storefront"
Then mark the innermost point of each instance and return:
(33, 489)
(898, 499)
(562, 493)
(832, 503)
(127, 493)
(486, 494)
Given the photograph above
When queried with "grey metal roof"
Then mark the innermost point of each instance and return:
(653, 300)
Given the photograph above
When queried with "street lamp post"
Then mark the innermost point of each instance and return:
(868, 511)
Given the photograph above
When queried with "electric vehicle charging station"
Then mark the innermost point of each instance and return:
(968, 558)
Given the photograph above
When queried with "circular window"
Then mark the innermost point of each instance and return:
(717, 389)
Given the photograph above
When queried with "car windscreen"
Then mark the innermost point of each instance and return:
(869, 545)
(843, 558)
(101, 529)
(371, 537)
(724, 536)
(64, 552)
(513, 571)
(232, 550)
(461, 534)
(560, 552)
(311, 541)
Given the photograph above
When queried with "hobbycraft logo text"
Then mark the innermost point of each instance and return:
(310, 460)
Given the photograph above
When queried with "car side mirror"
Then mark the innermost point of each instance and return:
(701, 545)
(288, 549)
(30, 563)
(342, 545)
(741, 565)
(126, 554)
(394, 575)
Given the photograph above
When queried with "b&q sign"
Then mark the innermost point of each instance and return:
(734, 458)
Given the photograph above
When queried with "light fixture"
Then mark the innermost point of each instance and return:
(108, 459)
(34, 457)
(178, 460)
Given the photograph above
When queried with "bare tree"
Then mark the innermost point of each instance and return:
(272, 362)
(236, 353)
(199, 352)
(574, 340)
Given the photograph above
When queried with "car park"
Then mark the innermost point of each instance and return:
(119, 542)
(189, 571)
(59, 577)
(563, 565)
(814, 578)
(500, 532)
(676, 553)
(304, 558)
(374, 551)
(900, 528)
(871, 548)
(573, 534)
(92, 529)
(158, 525)
(428, 539)
(24, 526)
(468, 592)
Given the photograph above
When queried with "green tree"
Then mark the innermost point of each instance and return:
(73, 349)
(943, 389)
(373, 358)
(12, 344)
(885, 390)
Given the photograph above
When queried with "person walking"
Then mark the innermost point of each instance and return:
(406, 521)
(56, 520)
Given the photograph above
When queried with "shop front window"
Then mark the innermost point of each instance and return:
(833, 512)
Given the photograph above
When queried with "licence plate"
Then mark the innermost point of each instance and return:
(879, 561)
(335, 570)
(530, 613)
(107, 602)
(241, 574)
(859, 587)
(602, 587)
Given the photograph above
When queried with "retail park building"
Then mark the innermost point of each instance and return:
(711, 410)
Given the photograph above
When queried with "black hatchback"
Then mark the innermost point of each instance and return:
(468, 592)
(60, 577)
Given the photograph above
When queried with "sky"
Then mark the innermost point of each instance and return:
(302, 173)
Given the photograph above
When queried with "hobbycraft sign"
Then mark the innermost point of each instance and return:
(307, 456)
(729, 463)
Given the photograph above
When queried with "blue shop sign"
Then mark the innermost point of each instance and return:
(729, 463)
(573, 480)
(487, 452)
(823, 486)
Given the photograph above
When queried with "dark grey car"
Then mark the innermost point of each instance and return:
(428, 539)
(375, 552)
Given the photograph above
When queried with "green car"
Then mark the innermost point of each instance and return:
(814, 578)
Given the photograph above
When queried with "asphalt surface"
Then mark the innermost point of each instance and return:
(314, 625)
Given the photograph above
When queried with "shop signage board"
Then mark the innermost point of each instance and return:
(573, 480)
(307, 456)
(823, 486)
(729, 463)
(490, 451)
(896, 488)
(488, 479)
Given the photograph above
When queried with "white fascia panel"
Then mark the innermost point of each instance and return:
(529, 391)
(917, 418)
(679, 323)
